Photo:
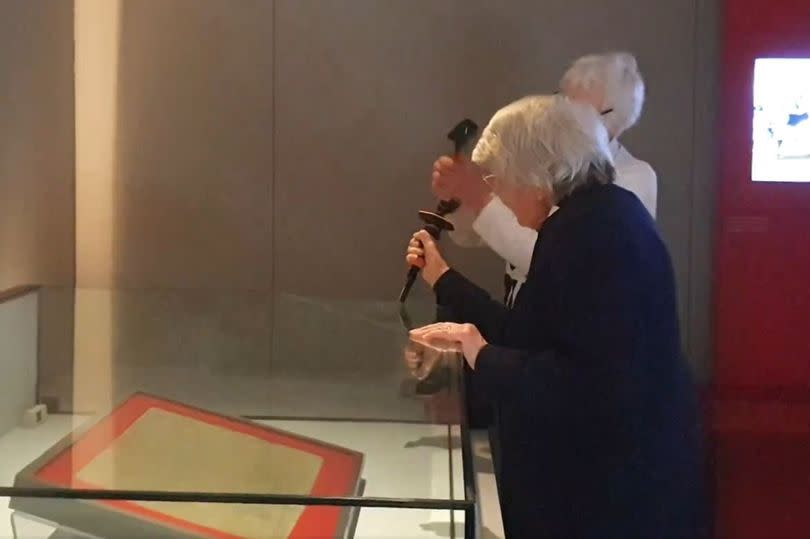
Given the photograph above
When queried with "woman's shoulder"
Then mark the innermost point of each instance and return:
(615, 204)
(606, 215)
(602, 202)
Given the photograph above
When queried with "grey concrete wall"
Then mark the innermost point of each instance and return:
(36, 143)
(194, 158)
(18, 359)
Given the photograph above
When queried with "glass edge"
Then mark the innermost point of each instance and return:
(468, 472)
(234, 498)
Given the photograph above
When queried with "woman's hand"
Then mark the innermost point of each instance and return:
(423, 253)
(460, 179)
(465, 334)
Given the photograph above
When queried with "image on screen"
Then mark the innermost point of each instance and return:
(781, 151)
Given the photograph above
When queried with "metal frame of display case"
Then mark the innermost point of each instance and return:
(468, 504)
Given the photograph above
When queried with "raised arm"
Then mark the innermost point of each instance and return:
(464, 234)
(456, 295)
(499, 228)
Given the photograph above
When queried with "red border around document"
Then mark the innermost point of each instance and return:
(338, 475)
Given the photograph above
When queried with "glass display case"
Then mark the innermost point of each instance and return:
(188, 413)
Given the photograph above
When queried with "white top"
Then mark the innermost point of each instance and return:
(498, 227)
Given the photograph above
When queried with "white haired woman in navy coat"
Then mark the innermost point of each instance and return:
(597, 409)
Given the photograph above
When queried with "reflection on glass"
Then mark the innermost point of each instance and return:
(199, 399)
(235, 520)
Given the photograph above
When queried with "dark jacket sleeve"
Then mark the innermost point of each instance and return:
(592, 324)
(470, 304)
(500, 370)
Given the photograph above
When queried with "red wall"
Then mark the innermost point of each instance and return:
(761, 385)
(763, 248)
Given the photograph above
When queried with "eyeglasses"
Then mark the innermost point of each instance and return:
(489, 179)
(603, 113)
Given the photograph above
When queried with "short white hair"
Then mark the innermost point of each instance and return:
(548, 142)
(617, 77)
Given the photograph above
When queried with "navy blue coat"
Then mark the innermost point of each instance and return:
(597, 411)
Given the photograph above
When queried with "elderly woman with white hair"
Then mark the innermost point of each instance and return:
(597, 411)
(612, 84)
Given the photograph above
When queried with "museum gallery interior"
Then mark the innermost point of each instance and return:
(411, 269)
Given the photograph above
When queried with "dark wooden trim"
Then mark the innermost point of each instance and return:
(17, 291)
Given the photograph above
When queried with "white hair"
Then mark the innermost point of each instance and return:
(548, 142)
(617, 77)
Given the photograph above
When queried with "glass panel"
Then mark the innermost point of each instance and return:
(142, 390)
(68, 519)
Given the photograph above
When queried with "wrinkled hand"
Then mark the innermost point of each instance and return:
(460, 179)
(467, 335)
(423, 253)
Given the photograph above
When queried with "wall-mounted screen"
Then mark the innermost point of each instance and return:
(781, 151)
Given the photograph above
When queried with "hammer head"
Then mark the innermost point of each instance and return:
(435, 223)
(447, 206)
(462, 134)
